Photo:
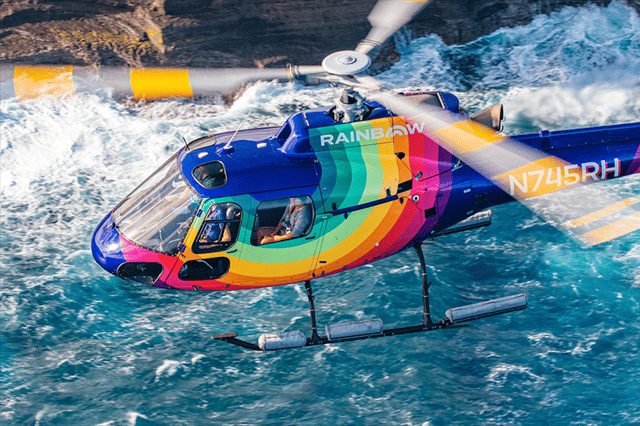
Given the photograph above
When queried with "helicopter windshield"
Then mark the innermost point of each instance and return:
(157, 214)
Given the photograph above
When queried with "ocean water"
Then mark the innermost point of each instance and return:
(79, 346)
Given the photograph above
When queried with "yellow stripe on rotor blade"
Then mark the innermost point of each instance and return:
(612, 231)
(160, 84)
(468, 136)
(614, 208)
(31, 82)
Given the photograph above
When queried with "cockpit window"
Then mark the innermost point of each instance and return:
(158, 213)
(220, 228)
(211, 175)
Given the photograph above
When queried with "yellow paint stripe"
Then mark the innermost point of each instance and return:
(602, 213)
(468, 136)
(388, 162)
(612, 231)
(160, 83)
(31, 82)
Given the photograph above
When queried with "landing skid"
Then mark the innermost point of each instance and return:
(371, 329)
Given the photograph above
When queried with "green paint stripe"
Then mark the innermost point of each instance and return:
(374, 173)
(357, 178)
(335, 186)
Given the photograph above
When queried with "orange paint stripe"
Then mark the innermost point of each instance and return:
(602, 213)
(390, 171)
(160, 83)
(31, 82)
(612, 231)
(468, 136)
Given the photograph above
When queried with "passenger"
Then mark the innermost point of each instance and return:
(213, 231)
(294, 223)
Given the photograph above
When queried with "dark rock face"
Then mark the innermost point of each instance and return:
(231, 33)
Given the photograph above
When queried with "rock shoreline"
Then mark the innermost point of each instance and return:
(226, 33)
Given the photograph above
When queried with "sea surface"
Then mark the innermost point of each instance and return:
(81, 347)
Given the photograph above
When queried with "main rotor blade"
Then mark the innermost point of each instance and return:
(387, 17)
(589, 214)
(31, 82)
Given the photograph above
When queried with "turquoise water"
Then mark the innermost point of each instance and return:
(81, 347)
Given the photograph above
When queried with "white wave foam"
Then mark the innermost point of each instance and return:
(49, 141)
(196, 358)
(560, 107)
(500, 373)
(40, 414)
(168, 369)
(631, 260)
(572, 44)
(132, 417)
(575, 67)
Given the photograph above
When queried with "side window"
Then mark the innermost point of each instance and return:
(220, 228)
(282, 219)
(211, 175)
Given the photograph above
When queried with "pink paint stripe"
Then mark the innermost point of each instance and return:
(635, 164)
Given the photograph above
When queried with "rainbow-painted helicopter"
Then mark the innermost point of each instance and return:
(340, 187)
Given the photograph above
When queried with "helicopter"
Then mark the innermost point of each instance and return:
(336, 188)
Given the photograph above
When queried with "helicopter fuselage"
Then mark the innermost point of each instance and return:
(316, 197)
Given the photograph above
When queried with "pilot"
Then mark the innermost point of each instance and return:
(294, 222)
(209, 175)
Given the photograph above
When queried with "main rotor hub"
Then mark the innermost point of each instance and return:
(346, 62)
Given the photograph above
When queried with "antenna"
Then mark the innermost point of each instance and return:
(186, 147)
(228, 146)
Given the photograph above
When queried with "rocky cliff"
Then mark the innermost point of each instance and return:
(227, 33)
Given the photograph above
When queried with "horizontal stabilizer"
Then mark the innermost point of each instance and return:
(490, 117)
